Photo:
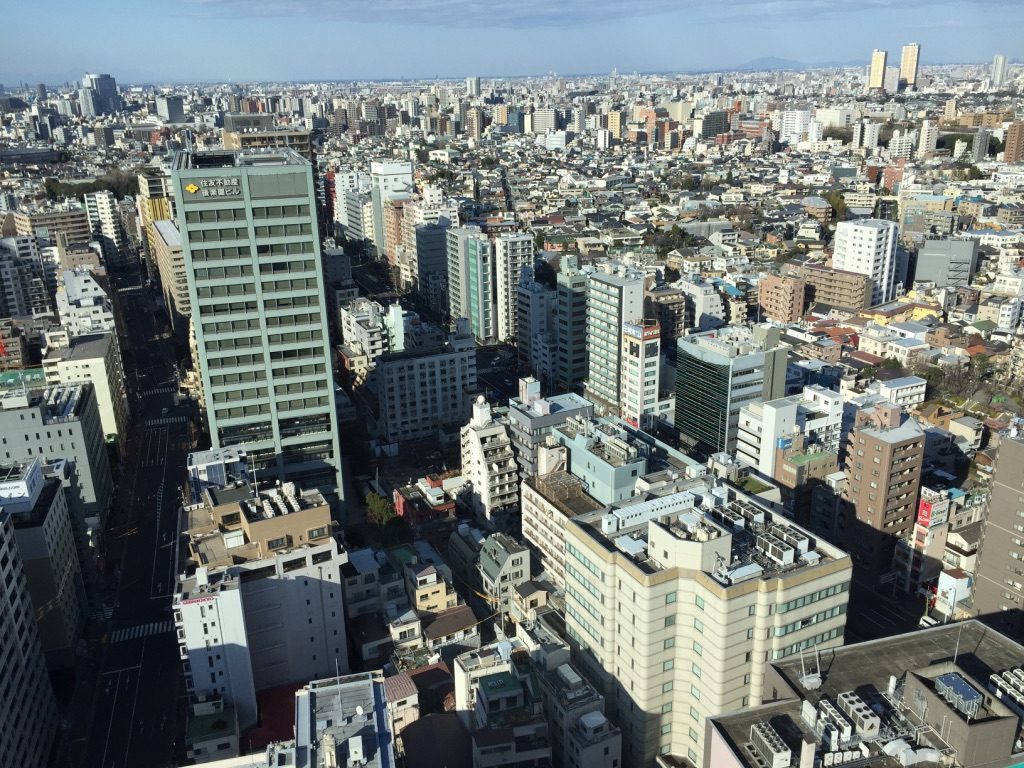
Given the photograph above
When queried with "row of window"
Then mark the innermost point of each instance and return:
(296, 284)
(282, 230)
(230, 253)
(813, 597)
(786, 629)
(220, 273)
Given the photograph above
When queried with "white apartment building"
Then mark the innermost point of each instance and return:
(639, 389)
(266, 607)
(389, 180)
(471, 280)
(95, 358)
(793, 125)
(615, 296)
(677, 605)
(105, 222)
(488, 463)
(868, 247)
(865, 135)
(82, 304)
(28, 708)
(511, 254)
(545, 120)
(767, 429)
(928, 139)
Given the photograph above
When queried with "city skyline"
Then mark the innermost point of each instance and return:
(400, 40)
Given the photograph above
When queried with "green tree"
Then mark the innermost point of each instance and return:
(379, 510)
(835, 199)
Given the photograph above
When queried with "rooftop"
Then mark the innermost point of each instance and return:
(343, 721)
(223, 158)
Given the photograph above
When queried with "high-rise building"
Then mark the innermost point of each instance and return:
(908, 66)
(999, 70)
(46, 222)
(473, 86)
(979, 145)
(252, 255)
(928, 139)
(998, 587)
(865, 134)
(613, 298)
(170, 109)
(170, 264)
(640, 388)
(95, 358)
(105, 222)
(677, 605)
(45, 534)
(947, 262)
(155, 202)
(108, 101)
(389, 180)
(23, 279)
(884, 455)
(868, 248)
(717, 373)
(876, 75)
(535, 328)
(571, 327)
(28, 707)
(471, 283)
(545, 120)
(511, 254)
(795, 123)
(1014, 148)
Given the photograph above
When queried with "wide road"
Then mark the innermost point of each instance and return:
(134, 713)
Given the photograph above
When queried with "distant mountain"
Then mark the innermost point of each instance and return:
(768, 63)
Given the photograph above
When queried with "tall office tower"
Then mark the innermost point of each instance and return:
(613, 298)
(876, 75)
(979, 145)
(641, 372)
(389, 180)
(535, 328)
(105, 221)
(155, 202)
(884, 455)
(1014, 149)
(256, 288)
(571, 326)
(928, 140)
(908, 66)
(473, 86)
(40, 93)
(999, 70)
(107, 98)
(678, 605)
(868, 248)
(474, 126)
(471, 280)
(28, 707)
(717, 373)
(170, 109)
(998, 587)
(511, 254)
(950, 110)
(892, 80)
(88, 103)
(615, 124)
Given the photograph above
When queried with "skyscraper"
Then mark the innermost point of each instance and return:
(170, 109)
(998, 74)
(105, 87)
(253, 260)
(908, 66)
(876, 77)
(868, 248)
(511, 253)
(472, 86)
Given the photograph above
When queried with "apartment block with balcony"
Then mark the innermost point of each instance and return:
(489, 466)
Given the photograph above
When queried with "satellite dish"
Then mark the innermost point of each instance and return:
(359, 711)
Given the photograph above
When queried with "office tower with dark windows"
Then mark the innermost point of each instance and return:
(253, 261)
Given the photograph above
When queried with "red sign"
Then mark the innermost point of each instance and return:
(924, 512)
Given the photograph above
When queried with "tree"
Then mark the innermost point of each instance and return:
(835, 199)
(379, 510)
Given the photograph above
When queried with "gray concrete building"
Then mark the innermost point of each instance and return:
(947, 262)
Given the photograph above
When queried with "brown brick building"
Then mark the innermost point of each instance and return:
(781, 298)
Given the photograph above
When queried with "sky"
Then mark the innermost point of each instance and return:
(54, 41)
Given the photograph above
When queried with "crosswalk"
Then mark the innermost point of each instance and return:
(106, 612)
(162, 422)
(141, 630)
(159, 391)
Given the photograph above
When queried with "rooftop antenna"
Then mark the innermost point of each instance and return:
(810, 680)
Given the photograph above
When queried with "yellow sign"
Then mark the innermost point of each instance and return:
(192, 189)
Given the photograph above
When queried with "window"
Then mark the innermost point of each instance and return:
(670, 598)
(316, 533)
(666, 708)
(668, 665)
(696, 669)
(670, 621)
(279, 543)
(700, 602)
(669, 643)
(666, 687)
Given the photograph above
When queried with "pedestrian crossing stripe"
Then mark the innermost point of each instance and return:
(141, 630)
(159, 391)
(165, 420)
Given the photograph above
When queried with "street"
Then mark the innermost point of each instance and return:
(134, 712)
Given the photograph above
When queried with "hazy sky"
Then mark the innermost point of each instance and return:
(181, 40)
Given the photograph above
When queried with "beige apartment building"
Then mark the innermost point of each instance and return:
(835, 287)
(170, 263)
(68, 218)
(884, 454)
(781, 298)
(677, 605)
